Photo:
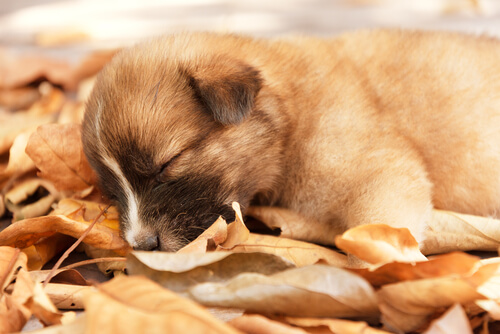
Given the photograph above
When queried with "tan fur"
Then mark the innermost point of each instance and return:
(369, 127)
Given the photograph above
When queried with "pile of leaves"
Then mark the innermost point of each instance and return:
(229, 280)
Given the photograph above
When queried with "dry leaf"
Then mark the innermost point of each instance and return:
(12, 124)
(407, 306)
(19, 162)
(138, 305)
(258, 324)
(14, 311)
(43, 308)
(453, 321)
(107, 268)
(57, 152)
(31, 198)
(379, 244)
(299, 252)
(438, 266)
(19, 98)
(334, 325)
(67, 296)
(27, 232)
(45, 249)
(209, 239)
(51, 101)
(312, 291)
(86, 212)
(450, 231)
(237, 232)
(18, 71)
(178, 272)
(11, 259)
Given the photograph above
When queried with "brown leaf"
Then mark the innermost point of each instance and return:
(178, 272)
(209, 239)
(299, 252)
(258, 324)
(11, 259)
(237, 232)
(453, 321)
(19, 162)
(12, 124)
(312, 291)
(18, 70)
(136, 304)
(335, 325)
(57, 152)
(407, 306)
(438, 266)
(14, 309)
(450, 231)
(44, 250)
(27, 232)
(30, 198)
(86, 212)
(379, 244)
(67, 296)
(19, 98)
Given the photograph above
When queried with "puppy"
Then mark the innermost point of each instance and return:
(369, 127)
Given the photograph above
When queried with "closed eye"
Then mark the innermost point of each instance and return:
(164, 175)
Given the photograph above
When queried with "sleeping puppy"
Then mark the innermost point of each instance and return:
(369, 127)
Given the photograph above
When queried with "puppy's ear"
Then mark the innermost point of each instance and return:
(226, 88)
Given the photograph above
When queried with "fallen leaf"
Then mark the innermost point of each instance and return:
(30, 198)
(209, 239)
(107, 268)
(19, 162)
(453, 321)
(19, 98)
(11, 259)
(27, 232)
(299, 252)
(136, 304)
(311, 291)
(380, 244)
(20, 70)
(67, 296)
(407, 306)
(51, 101)
(178, 272)
(86, 212)
(334, 325)
(44, 250)
(450, 231)
(43, 308)
(237, 232)
(14, 309)
(452, 264)
(57, 152)
(12, 124)
(258, 324)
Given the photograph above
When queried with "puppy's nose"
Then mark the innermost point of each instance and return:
(148, 243)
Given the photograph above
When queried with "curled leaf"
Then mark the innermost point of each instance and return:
(57, 152)
(311, 291)
(136, 304)
(379, 244)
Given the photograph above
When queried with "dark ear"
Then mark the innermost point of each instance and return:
(227, 88)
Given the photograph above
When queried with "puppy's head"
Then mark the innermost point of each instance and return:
(175, 140)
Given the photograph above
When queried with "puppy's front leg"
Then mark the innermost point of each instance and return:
(391, 188)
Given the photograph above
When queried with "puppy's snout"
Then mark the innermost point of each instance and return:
(148, 243)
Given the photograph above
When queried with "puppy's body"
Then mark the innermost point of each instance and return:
(370, 127)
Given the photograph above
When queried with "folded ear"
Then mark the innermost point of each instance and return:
(227, 88)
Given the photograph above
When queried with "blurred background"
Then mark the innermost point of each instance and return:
(74, 26)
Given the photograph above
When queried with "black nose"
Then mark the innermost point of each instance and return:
(149, 243)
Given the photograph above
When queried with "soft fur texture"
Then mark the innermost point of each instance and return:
(369, 127)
